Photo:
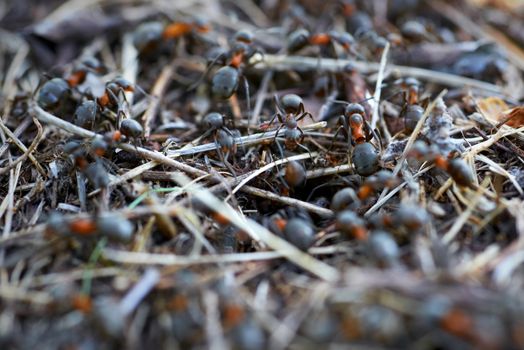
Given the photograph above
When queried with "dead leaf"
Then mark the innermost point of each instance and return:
(491, 108)
(514, 117)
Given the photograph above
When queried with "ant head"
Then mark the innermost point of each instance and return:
(214, 120)
(297, 40)
(291, 103)
(353, 108)
(121, 83)
(244, 36)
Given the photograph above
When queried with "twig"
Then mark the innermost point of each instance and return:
(139, 258)
(22, 147)
(378, 87)
(260, 233)
(268, 167)
(156, 96)
(462, 218)
(30, 150)
(288, 201)
(245, 140)
(159, 157)
(133, 298)
(302, 63)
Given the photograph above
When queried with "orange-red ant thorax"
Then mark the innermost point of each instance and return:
(76, 78)
(83, 226)
(176, 30)
(320, 39)
(237, 59)
(441, 162)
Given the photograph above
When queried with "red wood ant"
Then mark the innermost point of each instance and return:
(52, 93)
(301, 38)
(148, 36)
(412, 111)
(223, 137)
(81, 69)
(290, 110)
(225, 81)
(114, 226)
(456, 167)
(300, 233)
(358, 132)
(348, 222)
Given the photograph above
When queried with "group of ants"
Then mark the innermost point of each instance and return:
(363, 144)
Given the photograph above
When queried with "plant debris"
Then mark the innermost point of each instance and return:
(262, 174)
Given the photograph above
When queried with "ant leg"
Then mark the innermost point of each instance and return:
(223, 157)
(373, 134)
(341, 127)
(279, 171)
(306, 114)
(206, 71)
(248, 99)
(276, 132)
(280, 149)
(227, 164)
(299, 144)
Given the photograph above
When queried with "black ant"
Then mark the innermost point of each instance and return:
(223, 137)
(226, 79)
(455, 166)
(114, 226)
(411, 111)
(290, 110)
(302, 38)
(148, 36)
(358, 133)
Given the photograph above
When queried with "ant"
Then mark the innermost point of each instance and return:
(52, 94)
(95, 171)
(411, 111)
(80, 70)
(223, 137)
(348, 222)
(455, 166)
(290, 110)
(358, 133)
(302, 38)
(300, 233)
(382, 179)
(149, 35)
(112, 89)
(111, 225)
(85, 114)
(226, 79)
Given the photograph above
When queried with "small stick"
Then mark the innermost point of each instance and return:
(378, 87)
(461, 220)
(344, 168)
(288, 201)
(28, 152)
(260, 233)
(139, 258)
(23, 148)
(159, 157)
(157, 94)
(302, 63)
(267, 167)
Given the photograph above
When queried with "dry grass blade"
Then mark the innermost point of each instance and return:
(260, 233)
